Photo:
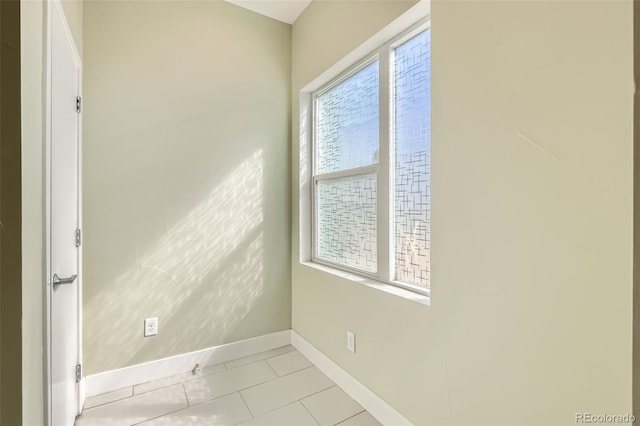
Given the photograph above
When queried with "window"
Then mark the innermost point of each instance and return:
(371, 165)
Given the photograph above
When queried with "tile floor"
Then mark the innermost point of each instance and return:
(276, 388)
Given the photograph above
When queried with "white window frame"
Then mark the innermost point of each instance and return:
(383, 169)
(373, 168)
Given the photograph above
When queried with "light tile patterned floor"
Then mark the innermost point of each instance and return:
(274, 388)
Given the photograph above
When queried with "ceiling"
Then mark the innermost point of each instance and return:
(282, 10)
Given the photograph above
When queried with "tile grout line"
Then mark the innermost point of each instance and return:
(275, 409)
(292, 402)
(275, 378)
(165, 414)
(302, 369)
(260, 359)
(232, 392)
(226, 368)
(186, 395)
(246, 405)
(194, 405)
(196, 377)
(152, 418)
(243, 400)
(160, 416)
(279, 377)
(315, 393)
(350, 417)
(307, 410)
(273, 369)
(291, 372)
(218, 372)
(108, 402)
(217, 397)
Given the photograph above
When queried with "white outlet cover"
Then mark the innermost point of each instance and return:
(351, 341)
(150, 327)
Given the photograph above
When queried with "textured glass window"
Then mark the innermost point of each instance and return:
(369, 135)
(412, 160)
(347, 122)
(346, 221)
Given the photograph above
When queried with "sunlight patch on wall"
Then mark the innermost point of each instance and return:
(205, 273)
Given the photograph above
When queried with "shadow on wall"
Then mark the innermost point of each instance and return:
(205, 273)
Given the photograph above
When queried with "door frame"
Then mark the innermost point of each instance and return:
(52, 7)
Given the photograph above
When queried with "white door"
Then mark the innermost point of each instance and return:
(65, 221)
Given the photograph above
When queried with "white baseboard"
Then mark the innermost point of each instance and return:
(115, 379)
(371, 402)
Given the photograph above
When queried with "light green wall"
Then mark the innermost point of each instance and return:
(186, 178)
(73, 12)
(530, 317)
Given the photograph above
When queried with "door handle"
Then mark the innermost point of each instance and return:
(59, 281)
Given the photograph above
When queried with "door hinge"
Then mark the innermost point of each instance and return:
(78, 104)
(78, 373)
(78, 237)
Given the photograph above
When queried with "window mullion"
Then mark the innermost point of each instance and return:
(384, 260)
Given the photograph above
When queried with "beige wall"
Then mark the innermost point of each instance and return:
(530, 317)
(186, 178)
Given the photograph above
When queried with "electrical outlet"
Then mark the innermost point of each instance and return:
(150, 327)
(351, 342)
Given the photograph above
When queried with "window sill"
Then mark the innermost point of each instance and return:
(378, 285)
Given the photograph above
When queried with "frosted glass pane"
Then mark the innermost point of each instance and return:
(346, 221)
(412, 160)
(347, 125)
